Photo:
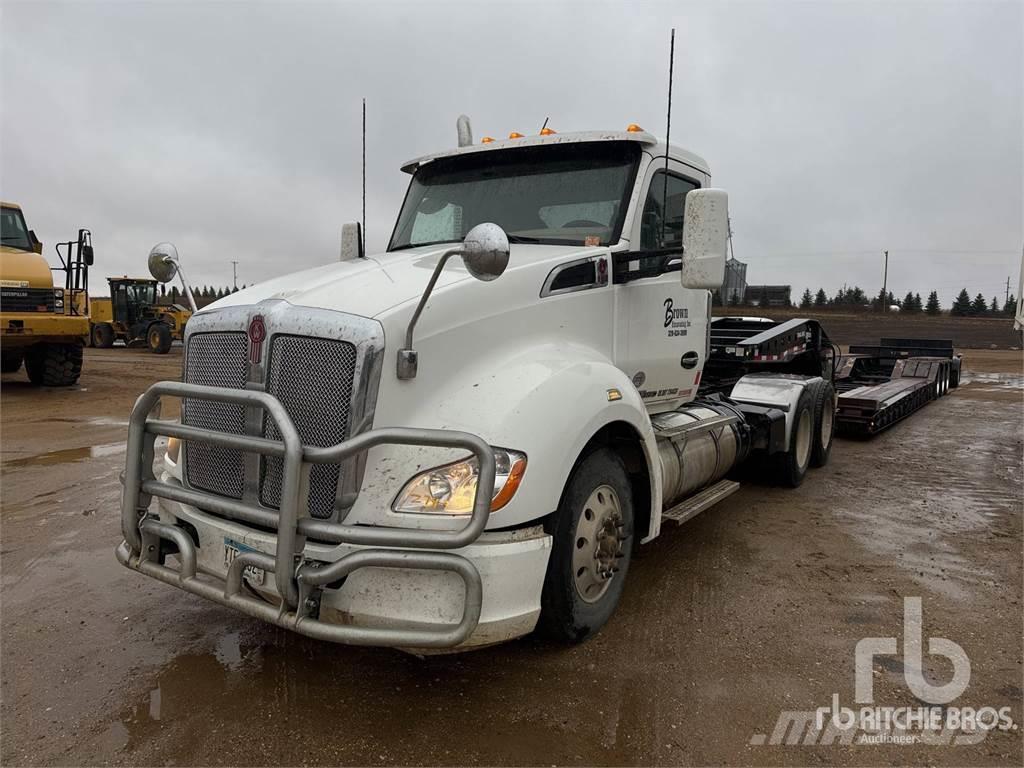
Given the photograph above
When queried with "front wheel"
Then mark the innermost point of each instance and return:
(158, 337)
(10, 361)
(54, 365)
(592, 548)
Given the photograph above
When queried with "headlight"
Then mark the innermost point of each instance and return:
(58, 303)
(450, 489)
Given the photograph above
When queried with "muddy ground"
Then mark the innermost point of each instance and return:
(747, 611)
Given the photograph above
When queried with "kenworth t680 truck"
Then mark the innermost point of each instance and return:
(464, 438)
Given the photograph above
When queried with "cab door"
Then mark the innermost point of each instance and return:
(661, 327)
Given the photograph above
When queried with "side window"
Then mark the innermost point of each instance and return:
(662, 225)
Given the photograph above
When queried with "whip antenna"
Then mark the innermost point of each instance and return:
(668, 131)
(364, 175)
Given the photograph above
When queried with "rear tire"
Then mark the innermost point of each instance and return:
(54, 365)
(103, 336)
(10, 362)
(592, 548)
(158, 338)
(824, 423)
(792, 465)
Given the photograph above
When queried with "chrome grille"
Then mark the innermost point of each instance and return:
(312, 377)
(219, 360)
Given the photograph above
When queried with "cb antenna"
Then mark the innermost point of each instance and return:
(364, 175)
(668, 132)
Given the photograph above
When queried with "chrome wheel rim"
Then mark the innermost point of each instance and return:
(803, 439)
(597, 544)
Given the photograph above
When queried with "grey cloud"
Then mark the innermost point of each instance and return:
(839, 129)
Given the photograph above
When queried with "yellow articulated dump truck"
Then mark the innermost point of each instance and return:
(132, 315)
(43, 325)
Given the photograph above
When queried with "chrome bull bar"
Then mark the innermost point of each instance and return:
(298, 582)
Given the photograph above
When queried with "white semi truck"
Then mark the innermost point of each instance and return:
(464, 438)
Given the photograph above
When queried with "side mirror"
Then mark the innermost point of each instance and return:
(36, 245)
(164, 265)
(351, 241)
(87, 255)
(705, 238)
(485, 254)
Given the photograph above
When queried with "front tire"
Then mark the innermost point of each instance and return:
(54, 365)
(10, 362)
(158, 338)
(592, 549)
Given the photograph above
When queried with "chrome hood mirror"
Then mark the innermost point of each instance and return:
(484, 251)
(163, 262)
(164, 265)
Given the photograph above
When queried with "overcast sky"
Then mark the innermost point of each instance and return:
(233, 129)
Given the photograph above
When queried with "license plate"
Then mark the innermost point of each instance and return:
(253, 575)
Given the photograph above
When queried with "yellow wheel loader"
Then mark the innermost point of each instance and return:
(132, 315)
(43, 325)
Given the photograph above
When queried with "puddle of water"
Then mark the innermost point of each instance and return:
(66, 455)
(1001, 380)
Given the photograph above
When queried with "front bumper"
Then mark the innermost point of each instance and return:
(24, 328)
(360, 585)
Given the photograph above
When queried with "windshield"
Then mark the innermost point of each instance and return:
(562, 194)
(13, 231)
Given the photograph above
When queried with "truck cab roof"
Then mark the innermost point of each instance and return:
(649, 143)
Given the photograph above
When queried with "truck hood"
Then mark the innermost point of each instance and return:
(24, 269)
(370, 287)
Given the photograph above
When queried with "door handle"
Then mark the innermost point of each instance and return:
(689, 360)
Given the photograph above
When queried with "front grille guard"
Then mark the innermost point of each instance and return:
(298, 582)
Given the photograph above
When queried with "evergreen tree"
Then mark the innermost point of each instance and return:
(918, 306)
(820, 299)
(908, 302)
(979, 307)
(993, 308)
(716, 299)
(806, 299)
(962, 306)
(933, 307)
(1010, 307)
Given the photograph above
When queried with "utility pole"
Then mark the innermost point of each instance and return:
(234, 273)
(885, 283)
(1007, 300)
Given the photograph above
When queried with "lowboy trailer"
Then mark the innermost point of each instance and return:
(879, 385)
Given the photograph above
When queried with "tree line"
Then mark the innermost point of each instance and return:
(855, 298)
(202, 295)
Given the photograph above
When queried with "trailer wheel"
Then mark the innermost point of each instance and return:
(102, 335)
(54, 365)
(824, 423)
(158, 338)
(10, 361)
(792, 465)
(593, 542)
